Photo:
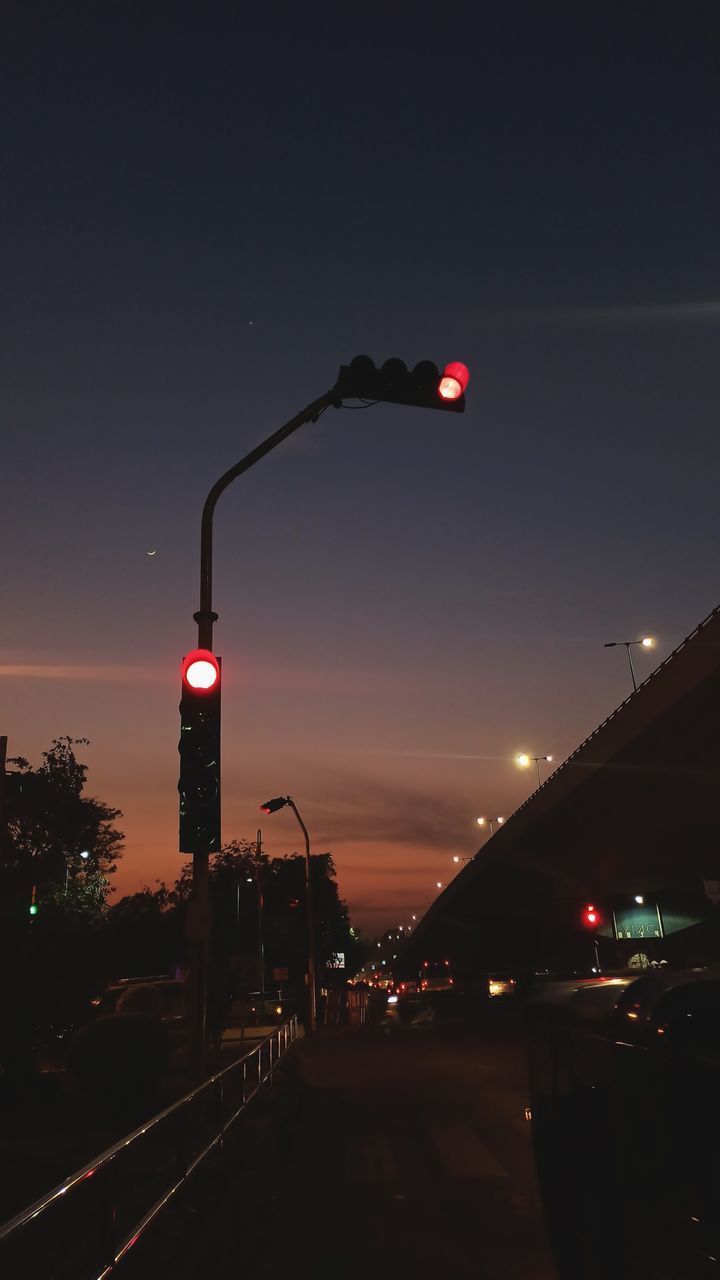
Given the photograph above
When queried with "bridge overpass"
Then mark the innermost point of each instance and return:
(633, 811)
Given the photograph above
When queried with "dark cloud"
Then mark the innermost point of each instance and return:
(362, 809)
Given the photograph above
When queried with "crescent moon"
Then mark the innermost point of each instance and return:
(152, 553)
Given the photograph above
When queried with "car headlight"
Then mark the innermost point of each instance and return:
(392, 999)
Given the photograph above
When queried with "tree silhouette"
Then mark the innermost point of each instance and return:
(50, 823)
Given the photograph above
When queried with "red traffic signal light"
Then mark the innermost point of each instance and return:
(424, 386)
(590, 916)
(200, 670)
(272, 806)
(454, 381)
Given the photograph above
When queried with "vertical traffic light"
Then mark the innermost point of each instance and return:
(590, 916)
(199, 747)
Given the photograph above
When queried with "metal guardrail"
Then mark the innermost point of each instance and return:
(82, 1229)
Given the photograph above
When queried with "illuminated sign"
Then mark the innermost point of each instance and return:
(638, 921)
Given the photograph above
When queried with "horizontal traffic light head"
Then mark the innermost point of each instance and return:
(424, 386)
(272, 806)
(200, 671)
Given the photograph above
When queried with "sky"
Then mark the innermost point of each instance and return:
(206, 209)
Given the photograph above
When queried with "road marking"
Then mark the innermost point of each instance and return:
(368, 1158)
(464, 1155)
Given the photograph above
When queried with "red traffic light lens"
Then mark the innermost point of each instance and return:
(454, 381)
(200, 670)
(591, 915)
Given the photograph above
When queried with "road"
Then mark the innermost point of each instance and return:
(385, 1152)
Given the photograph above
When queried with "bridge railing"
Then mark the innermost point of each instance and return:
(85, 1227)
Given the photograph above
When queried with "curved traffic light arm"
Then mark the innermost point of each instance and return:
(205, 616)
(425, 386)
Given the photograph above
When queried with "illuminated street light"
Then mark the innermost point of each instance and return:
(524, 761)
(438, 884)
(639, 899)
(647, 642)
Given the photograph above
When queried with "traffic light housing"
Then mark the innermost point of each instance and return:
(199, 748)
(424, 386)
(272, 806)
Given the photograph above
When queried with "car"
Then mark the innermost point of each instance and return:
(268, 1007)
(161, 997)
(501, 985)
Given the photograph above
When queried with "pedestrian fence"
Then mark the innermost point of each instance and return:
(84, 1228)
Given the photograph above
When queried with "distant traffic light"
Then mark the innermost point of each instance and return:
(272, 806)
(33, 902)
(424, 386)
(199, 747)
(590, 916)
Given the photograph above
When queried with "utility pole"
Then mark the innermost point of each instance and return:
(3, 795)
(3, 761)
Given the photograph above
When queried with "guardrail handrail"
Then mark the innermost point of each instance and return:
(283, 1037)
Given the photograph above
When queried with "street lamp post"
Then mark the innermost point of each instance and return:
(85, 854)
(647, 642)
(271, 806)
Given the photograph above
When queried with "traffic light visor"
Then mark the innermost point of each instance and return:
(200, 670)
(454, 381)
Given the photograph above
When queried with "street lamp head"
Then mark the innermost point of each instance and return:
(272, 806)
(482, 822)
(647, 642)
(548, 758)
(85, 854)
(439, 884)
(523, 760)
(499, 821)
(455, 858)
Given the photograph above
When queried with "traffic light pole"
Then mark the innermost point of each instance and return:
(199, 922)
(425, 386)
